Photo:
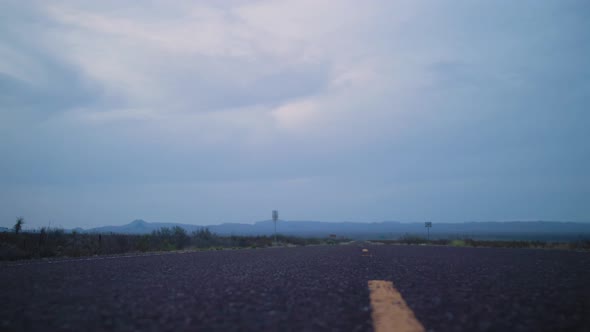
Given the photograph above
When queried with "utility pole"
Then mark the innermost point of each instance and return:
(275, 218)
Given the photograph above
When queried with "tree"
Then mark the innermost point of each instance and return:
(203, 234)
(203, 238)
(181, 239)
(19, 224)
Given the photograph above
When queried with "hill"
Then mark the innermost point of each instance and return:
(542, 230)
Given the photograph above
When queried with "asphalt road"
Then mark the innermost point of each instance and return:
(300, 289)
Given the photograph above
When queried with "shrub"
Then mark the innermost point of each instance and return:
(18, 226)
(412, 239)
(582, 244)
(458, 243)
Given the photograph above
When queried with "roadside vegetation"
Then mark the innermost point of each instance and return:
(580, 244)
(55, 242)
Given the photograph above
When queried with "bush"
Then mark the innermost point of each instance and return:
(582, 244)
(203, 238)
(412, 239)
(11, 253)
(18, 226)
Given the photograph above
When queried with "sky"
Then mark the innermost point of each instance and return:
(206, 112)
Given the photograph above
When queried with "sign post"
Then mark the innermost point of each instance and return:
(428, 224)
(275, 217)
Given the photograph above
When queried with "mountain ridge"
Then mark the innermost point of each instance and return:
(385, 229)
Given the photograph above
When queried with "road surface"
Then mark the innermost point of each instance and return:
(320, 288)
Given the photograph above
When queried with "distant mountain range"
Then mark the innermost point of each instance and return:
(543, 230)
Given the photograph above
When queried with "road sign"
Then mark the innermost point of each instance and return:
(428, 224)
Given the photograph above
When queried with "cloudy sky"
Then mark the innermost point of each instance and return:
(219, 111)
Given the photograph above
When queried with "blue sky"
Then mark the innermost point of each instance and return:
(220, 111)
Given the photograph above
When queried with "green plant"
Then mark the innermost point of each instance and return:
(412, 239)
(19, 224)
(458, 243)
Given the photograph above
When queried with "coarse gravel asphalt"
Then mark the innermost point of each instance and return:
(319, 288)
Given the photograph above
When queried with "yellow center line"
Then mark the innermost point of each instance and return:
(389, 310)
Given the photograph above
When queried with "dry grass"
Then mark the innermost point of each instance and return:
(58, 243)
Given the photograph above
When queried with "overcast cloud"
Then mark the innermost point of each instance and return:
(220, 111)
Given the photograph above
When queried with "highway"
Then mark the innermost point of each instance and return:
(319, 288)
